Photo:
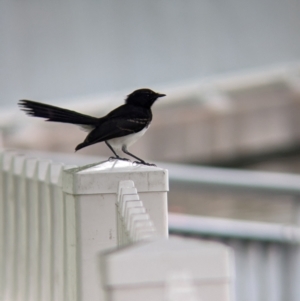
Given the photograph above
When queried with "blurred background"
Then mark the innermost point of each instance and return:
(231, 72)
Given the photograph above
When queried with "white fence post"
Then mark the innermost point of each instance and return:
(91, 196)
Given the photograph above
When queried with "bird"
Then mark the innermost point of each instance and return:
(119, 129)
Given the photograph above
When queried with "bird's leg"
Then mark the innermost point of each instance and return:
(116, 155)
(140, 161)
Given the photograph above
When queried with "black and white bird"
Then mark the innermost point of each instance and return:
(118, 129)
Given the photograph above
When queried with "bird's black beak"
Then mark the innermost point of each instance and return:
(160, 95)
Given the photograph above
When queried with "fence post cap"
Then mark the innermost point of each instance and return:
(104, 177)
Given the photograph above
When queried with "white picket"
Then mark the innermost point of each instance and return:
(21, 228)
(9, 250)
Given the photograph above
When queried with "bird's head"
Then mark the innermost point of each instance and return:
(143, 98)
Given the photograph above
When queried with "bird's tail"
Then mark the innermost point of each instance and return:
(56, 114)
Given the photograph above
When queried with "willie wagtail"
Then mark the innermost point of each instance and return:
(118, 129)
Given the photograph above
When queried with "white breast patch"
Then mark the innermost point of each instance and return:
(118, 143)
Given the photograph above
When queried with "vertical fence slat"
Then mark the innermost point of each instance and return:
(264, 271)
(294, 273)
(21, 229)
(9, 226)
(255, 271)
(239, 249)
(70, 245)
(57, 239)
(70, 227)
(45, 230)
(33, 229)
(274, 273)
(294, 258)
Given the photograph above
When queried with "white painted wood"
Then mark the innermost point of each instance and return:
(57, 239)
(45, 242)
(71, 264)
(134, 223)
(180, 286)
(148, 267)
(33, 229)
(9, 227)
(21, 238)
(126, 193)
(56, 220)
(91, 220)
(50, 239)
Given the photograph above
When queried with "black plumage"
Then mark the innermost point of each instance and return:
(125, 121)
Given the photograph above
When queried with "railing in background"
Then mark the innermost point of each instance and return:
(56, 220)
(267, 256)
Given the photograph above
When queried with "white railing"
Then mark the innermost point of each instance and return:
(267, 256)
(97, 232)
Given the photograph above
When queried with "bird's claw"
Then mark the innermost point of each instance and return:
(144, 163)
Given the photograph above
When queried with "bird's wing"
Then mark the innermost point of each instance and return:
(118, 123)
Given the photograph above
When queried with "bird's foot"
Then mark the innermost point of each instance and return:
(144, 163)
(118, 158)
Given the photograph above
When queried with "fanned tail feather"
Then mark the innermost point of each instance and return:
(55, 114)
